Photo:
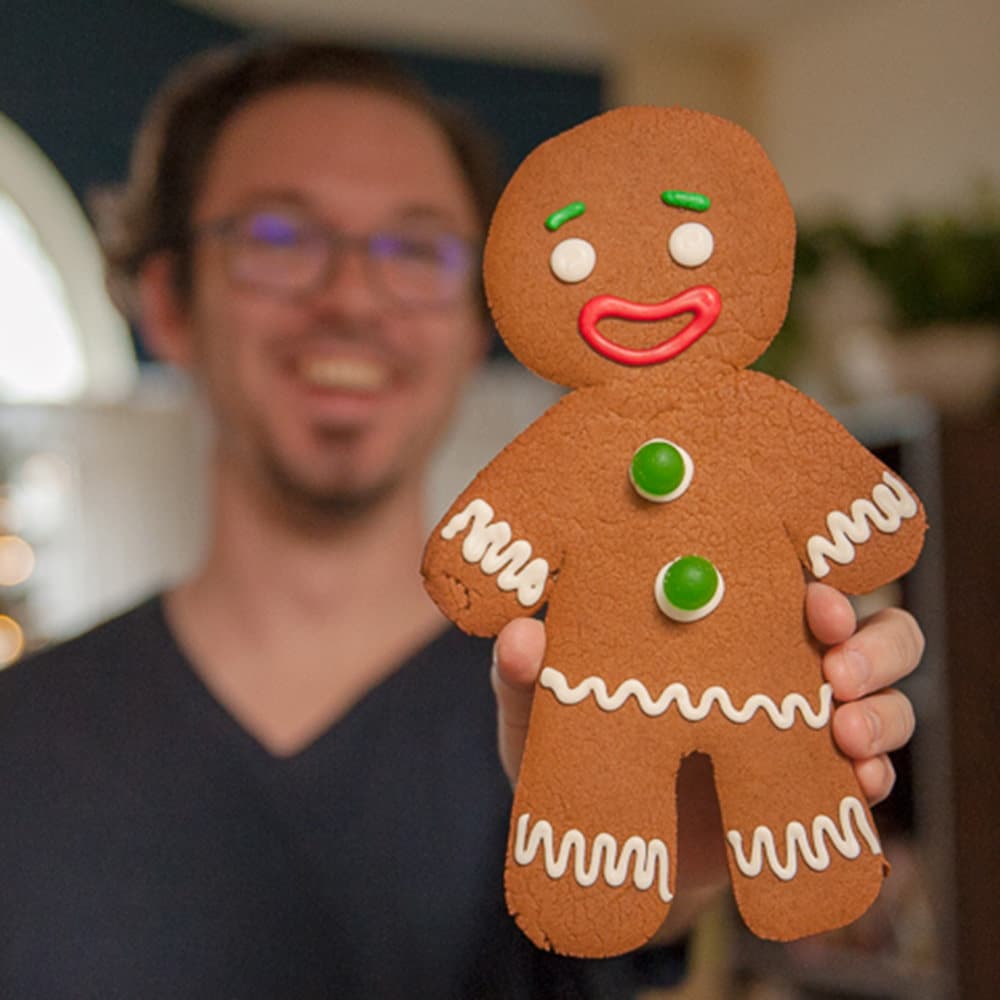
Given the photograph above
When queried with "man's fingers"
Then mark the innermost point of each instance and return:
(881, 653)
(517, 659)
(876, 776)
(518, 653)
(862, 666)
(876, 725)
(829, 613)
(866, 731)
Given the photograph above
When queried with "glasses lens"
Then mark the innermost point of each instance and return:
(421, 268)
(276, 250)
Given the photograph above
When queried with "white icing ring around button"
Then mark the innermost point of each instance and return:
(680, 614)
(684, 483)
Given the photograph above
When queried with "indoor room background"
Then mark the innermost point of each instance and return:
(880, 115)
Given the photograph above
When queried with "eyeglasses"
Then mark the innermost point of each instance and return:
(290, 253)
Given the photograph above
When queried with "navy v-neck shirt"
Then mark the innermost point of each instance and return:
(151, 847)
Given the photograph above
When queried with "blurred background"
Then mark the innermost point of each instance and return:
(881, 116)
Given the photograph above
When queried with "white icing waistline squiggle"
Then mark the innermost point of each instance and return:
(783, 715)
(797, 841)
(650, 860)
(489, 544)
(892, 504)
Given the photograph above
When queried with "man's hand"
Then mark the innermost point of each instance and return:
(862, 664)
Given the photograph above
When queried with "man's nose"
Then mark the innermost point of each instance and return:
(347, 282)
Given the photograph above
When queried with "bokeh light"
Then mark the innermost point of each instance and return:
(17, 560)
(11, 641)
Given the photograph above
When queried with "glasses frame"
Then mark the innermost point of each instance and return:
(336, 244)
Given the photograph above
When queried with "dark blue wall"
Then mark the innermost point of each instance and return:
(523, 105)
(76, 75)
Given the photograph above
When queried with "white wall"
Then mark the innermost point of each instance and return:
(132, 505)
(879, 105)
(126, 514)
(894, 107)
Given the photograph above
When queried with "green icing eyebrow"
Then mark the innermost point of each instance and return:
(571, 211)
(687, 199)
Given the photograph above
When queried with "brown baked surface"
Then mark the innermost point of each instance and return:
(769, 468)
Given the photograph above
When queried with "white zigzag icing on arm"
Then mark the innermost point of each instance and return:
(489, 544)
(797, 841)
(649, 860)
(892, 504)
(783, 715)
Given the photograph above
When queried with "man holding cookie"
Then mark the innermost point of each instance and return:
(280, 778)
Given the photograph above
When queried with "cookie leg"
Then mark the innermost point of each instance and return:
(590, 860)
(804, 855)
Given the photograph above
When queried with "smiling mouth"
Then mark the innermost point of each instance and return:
(350, 374)
(702, 301)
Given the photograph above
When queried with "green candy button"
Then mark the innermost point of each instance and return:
(688, 588)
(660, 470)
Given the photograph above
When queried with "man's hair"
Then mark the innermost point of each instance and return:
(152, 210)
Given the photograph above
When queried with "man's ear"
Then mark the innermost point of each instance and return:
(163, 315)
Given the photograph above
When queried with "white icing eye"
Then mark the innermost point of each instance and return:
(573, 260)
(691, 244)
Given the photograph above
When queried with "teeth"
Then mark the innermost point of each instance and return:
(345, 373)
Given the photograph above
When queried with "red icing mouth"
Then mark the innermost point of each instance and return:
(701, 300)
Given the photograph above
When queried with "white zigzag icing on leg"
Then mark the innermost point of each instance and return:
(797, 841)
(650, 860)
(783, 715)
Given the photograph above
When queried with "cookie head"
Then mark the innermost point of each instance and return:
(645, 243)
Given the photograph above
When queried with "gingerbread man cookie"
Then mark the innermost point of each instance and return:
(664, 511)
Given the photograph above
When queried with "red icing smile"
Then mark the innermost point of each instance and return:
(702, 300)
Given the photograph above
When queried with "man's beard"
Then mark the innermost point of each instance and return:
(318, 508)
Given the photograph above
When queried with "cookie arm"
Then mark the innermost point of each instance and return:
(854, 522)
(492, 557)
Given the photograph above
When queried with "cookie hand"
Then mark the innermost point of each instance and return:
(862, 663)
